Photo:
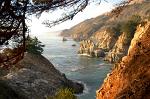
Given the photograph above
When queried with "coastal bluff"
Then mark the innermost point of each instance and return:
(130, 78)
(34, 77)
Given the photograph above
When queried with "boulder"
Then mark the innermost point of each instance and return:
(73, 44)
(64, 39)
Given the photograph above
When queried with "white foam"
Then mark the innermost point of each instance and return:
(84, 54)
(86, 89)
(76, 68)
(101, 64)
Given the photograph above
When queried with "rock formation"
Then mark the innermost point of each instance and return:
(119, 50)
(35, 77)
(105, 39)
(130, 78)
(103, 31)
(88, 47)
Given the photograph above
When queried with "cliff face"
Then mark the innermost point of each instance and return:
(103, 31)
(105, 39)
(119, 50)
(88, 48)
(114, 47)
(35, 77)
(130, 79)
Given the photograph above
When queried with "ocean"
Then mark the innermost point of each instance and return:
(89, 71)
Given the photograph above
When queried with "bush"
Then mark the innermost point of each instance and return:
(129, 27)
(33, 45)
(66, 93)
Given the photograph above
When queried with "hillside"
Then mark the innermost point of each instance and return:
(34, 77)
(88, 27)
(110, 32)
(85, 29)
(130, 78)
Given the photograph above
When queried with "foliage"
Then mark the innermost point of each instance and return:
(66, 93)
(34, 46)
(129, 27)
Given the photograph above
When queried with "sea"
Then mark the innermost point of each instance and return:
(89, 71)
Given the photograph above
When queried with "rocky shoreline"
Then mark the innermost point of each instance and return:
(35, 77)
(87, 47)
(105, 36)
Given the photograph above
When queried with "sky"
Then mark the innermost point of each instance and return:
(90, 11)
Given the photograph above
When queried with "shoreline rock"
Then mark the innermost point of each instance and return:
(64, 39)
(87, 47)
(35, 78)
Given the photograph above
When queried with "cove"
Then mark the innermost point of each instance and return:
(90, 71)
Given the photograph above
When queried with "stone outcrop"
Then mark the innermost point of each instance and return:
(35, 77)
(119, 50)
(88, 47)
(104, 39)
(130, 78)
(106, 42)
(103, 30)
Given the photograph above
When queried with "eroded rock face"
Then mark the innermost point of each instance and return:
(105, 39)
(36, 78)
(88, 47)
(130, 79)
(115, 46)
(119, 50)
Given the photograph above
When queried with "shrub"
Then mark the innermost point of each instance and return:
(116, 29)
(34, 46)
(66, 93)
(130, 26)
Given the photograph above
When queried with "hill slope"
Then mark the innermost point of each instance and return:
(34, 77)
(130, 78)
(110, 33)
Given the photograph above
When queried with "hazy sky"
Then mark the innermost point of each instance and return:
(91, 11)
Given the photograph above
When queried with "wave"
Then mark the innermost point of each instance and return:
(74, 69)
(101, 64)
(86, 89)
(84, 54)
(54, 56)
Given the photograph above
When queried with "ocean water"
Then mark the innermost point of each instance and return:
(90, 71)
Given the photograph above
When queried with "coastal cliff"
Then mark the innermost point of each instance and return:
(106, 34)
(88, 48)
(34, 77)
(119, 50)
(130, 78)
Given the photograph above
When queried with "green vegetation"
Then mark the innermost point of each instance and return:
(34, 46)
(129, 27)
(66, 93)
